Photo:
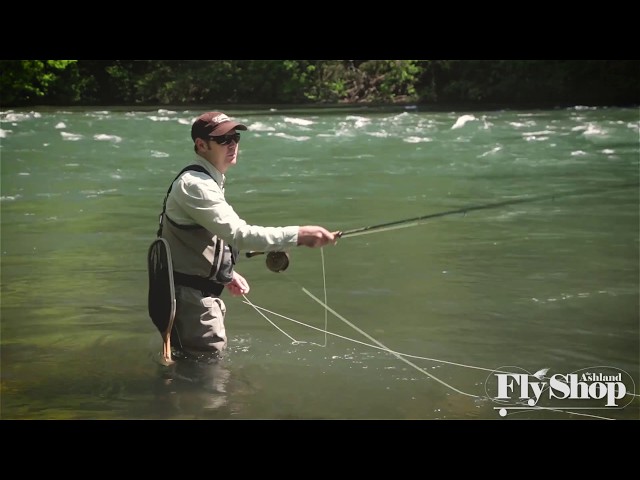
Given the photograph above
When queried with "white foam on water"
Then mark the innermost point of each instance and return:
(73, 137)
(291, 137)
(298, 121)
(418, 139)
(463, 120)
(109, 138)
(262, 127)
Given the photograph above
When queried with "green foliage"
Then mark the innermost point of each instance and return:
(26, 82)
(301, 75)
(265, 82)
(531, 82)
(349, 81)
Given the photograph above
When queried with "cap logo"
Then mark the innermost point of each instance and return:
(220, 119)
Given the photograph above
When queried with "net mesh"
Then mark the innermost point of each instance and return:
(161, 301)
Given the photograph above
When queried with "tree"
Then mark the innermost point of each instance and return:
(25, 82)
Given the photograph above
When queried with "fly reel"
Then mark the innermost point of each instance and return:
(276, 261)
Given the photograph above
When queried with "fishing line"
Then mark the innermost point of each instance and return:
(383, 348)
(379, 345)
(269, 320)
(326, 319)
(327, 309)
(406, 223)
(324, 287)
(399, 355)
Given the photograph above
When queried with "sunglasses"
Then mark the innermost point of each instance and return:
(226, 139)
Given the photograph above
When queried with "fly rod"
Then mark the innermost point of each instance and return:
(412, 222)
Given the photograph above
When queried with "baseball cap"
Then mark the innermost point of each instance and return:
(213, 124)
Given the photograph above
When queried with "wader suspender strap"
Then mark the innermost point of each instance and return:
(198, 168)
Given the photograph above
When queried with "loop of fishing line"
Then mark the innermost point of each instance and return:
(380, 346)
(289, 278)
(399, 355)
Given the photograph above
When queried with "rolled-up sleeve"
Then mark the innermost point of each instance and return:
(202, 201)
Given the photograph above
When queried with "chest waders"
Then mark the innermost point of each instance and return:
(161, 300)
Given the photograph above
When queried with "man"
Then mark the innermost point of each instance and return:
(205, 233)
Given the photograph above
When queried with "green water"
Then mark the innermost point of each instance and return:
(543, 284)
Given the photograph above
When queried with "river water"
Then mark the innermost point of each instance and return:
(421, 319)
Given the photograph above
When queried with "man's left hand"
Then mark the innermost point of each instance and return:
(238, 285)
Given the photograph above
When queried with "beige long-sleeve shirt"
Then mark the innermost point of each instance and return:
(196, 200)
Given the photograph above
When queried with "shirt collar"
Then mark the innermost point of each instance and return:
(215, 173)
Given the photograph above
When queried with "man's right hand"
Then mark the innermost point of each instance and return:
(315, 236)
